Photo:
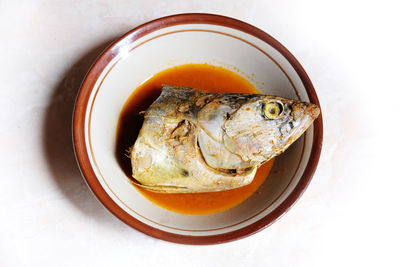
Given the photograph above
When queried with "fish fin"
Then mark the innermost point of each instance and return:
(162, 188)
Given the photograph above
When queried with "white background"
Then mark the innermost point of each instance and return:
(349, 215)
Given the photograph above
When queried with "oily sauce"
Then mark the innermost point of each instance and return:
(201, 76)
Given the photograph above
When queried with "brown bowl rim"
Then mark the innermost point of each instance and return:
(111, 52)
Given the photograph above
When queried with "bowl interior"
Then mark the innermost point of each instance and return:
(137, 60)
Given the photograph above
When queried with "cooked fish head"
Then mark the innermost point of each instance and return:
(195, 141)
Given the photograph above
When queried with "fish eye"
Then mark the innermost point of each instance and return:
(272, 110)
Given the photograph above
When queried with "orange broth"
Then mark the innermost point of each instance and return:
(201, 76)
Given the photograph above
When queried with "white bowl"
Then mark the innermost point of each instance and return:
(176, 40)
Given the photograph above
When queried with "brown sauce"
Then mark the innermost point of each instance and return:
(202, 76)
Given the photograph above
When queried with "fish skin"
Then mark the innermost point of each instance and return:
(194, 141)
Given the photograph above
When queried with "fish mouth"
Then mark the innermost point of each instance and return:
(303, 114)
(303, 109)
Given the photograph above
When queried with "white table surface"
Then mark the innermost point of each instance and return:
(349, 215)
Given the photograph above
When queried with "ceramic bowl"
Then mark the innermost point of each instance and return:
(176, 40)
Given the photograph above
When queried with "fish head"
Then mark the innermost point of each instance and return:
(265, 126)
